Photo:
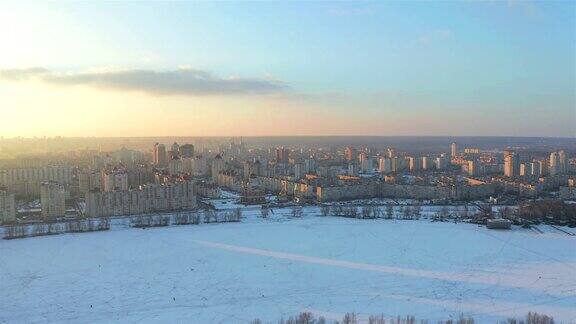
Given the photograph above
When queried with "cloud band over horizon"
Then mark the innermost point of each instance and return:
(182, 81)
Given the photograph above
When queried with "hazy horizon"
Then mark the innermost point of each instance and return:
(290, 136)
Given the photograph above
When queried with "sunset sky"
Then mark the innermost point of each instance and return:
(301, 68)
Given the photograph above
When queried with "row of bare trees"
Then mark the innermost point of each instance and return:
(295, 212)
(549, 211)
(72, 226)
(87, 225)
(145, 221)
(372, 212)
(15, 231)
(187, 218)
(352, 318)
(225, 216)
(388, 212)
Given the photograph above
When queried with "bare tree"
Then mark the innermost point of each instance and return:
(105, 223)
(237, 214)
(506, 212)
(535, 318)
(353, 211)
(296, 212)
(264, 211)
(349, 318)
(350, 211)
(54, 228)
(181, 219)
(367, 212)
(444, 213)
(207, 215)
(407, 212)
(15, 231)
(463, 212)
(377, 212)
(325, 210)
(376, 319)
(417, 211)
(305, 318)
(389, 211)
(337, 210)
(194, 217)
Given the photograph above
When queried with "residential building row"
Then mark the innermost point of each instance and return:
(178, 195)
(27, 182)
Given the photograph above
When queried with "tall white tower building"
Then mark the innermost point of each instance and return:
(554, 162)
(453, 149)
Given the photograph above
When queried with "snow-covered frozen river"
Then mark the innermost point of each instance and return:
(274, 268)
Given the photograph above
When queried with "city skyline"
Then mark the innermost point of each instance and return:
(272, 69)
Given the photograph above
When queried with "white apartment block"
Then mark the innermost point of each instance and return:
(385, 165)
(7, 207)
(116, 179)
(150, 198)
(89, 180)
(52, 200)
(28, 181)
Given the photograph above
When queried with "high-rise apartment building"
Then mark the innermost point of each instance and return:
(563, 161)
(511, 164)
(310, 165)
(453, 149)
(298, 171)
(115, 179)
(363, 156)
(7, 206)
(473, 168)
(187, 150)
(542, 167)
(350, 153)
(151, 198)
(442, 162)
(27, 181)
(535, 169)
(52, 200)
(159, 156)
(89, 180)
(175, 166)
(399, 164)
(200, 166)
(352, 169)
(217, 167)
(525, 169)
(282, 155)
(414, 163)
(426, 163)
(175, 149)
(366, 165)
(385, 165)
(554, 164)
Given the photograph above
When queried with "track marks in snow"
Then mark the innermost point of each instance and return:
(526, 281)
